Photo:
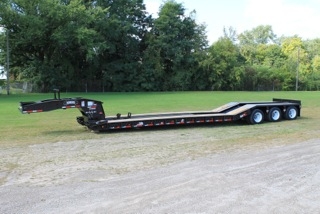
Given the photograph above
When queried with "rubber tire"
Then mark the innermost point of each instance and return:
(274, 114)
(256, 117)
(291, 113)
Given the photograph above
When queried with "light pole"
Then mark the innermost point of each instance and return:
(297, 75)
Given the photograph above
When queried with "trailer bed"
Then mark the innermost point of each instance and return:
(229, 112)
(94, 118)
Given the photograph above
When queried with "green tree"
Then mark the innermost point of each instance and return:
(270, 66)
(124, 31)
(249, 40)
(174, 44)
(312, 48)
(224, 66)
(52, 41)
(298, 63)
(230, 33)
(267, 67)
(314, 77)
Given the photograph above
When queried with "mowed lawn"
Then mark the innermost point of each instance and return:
(61, 125)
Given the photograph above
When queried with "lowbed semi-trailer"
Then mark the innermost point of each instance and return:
(93, 115)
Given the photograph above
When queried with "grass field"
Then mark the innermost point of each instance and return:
(16, 128)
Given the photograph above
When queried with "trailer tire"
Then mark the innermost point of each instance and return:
(291, 113)
(274, 114)
(256, 117)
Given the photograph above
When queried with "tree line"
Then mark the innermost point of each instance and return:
(107, 45)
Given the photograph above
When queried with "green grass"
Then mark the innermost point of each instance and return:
(60, 125)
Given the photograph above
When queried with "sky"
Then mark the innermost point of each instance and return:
(287, 17)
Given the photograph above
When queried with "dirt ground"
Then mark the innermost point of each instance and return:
(162, 171)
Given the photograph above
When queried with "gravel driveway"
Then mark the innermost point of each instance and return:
(165, 171)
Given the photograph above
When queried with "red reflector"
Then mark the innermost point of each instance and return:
(34, 111)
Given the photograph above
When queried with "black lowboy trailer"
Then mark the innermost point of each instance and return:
(94, 118)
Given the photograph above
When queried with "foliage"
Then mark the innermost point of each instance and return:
(223, 66)
(125, 30)
(249, 40)
(107, 45)
(51, 41)
(175, 42)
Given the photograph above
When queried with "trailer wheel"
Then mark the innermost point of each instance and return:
(291, 113)
(274, 114)
(256, 117)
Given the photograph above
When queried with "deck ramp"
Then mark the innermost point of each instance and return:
(225, 107)
(241, 109)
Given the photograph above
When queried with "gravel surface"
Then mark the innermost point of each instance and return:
(160, 172)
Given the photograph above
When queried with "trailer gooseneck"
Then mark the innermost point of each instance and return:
(94, 118)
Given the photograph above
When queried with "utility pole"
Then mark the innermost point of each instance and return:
(8, 67)
(297, 75)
